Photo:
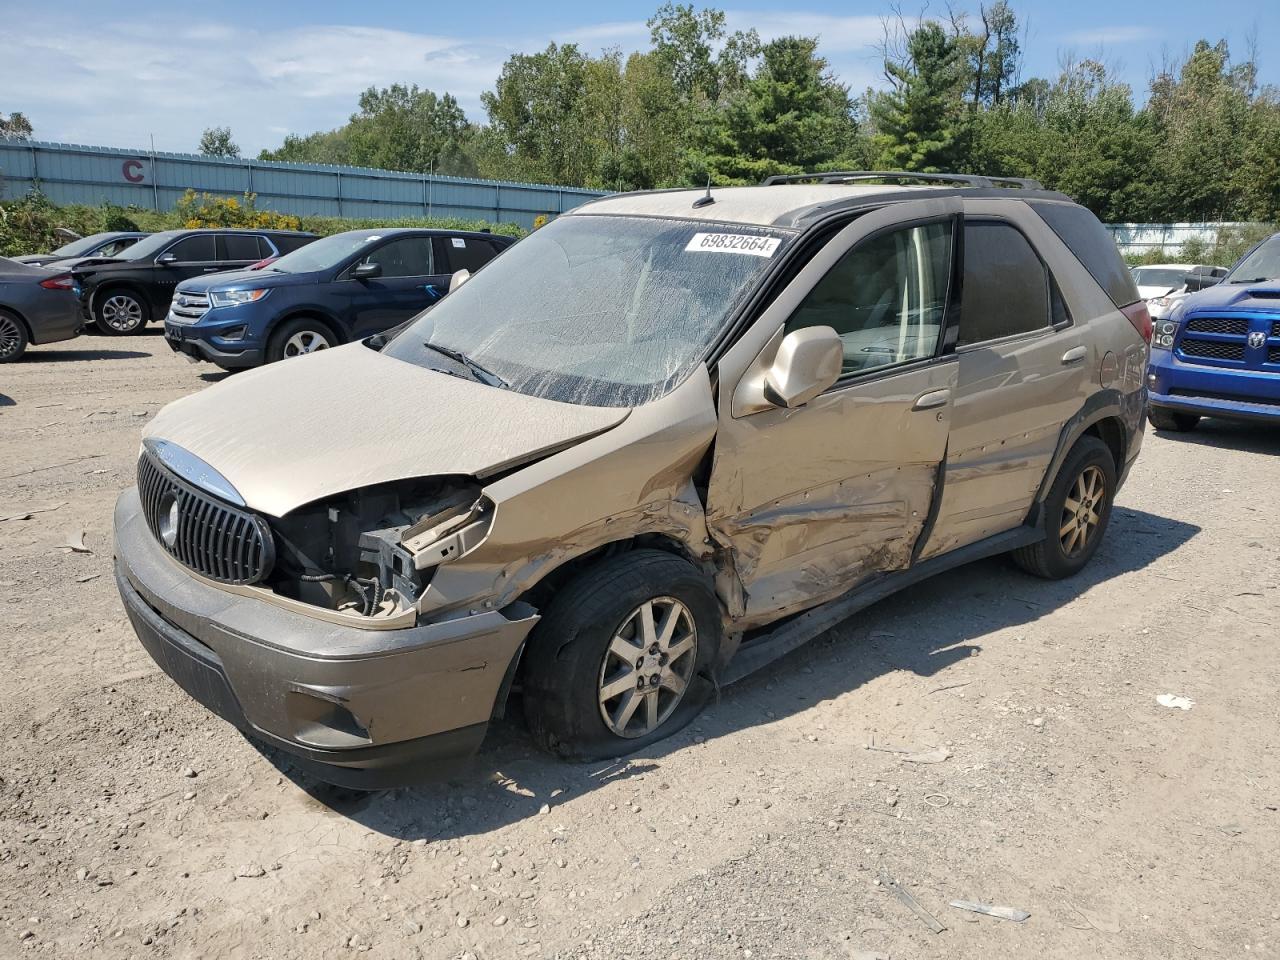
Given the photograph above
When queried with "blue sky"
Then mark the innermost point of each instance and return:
(114, 74)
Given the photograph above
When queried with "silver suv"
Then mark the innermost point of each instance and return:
(654, 446)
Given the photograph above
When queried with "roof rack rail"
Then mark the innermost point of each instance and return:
(845, 176)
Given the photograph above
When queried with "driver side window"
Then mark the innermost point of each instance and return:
(886, 297)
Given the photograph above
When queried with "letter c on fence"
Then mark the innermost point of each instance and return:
(132, 170)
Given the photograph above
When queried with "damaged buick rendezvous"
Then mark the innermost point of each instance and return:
(656, 445)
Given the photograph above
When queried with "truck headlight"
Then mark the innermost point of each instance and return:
(231, 298)
(1162, 339)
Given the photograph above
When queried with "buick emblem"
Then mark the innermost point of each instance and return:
(1257, 339)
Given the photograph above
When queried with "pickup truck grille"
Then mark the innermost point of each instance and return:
(1212, 349)
(213, 538)
(188, 307)
(1239, 326)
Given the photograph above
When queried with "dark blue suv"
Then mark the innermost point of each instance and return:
(1218, 353)
(340, 288)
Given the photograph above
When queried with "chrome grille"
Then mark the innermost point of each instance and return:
(1212, 349)
(213, 538)
(188, 307)
(1238, 326)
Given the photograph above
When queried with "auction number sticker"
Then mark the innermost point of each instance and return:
(733, 243)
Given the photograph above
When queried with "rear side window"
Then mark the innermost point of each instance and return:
(287, 243)
(195, 249)
(468, 253)
(1006, 287)
(1089, 241)
(239, 246)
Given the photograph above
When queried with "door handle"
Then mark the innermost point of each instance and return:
(210, 269)
(934, 398)
(1075, 355)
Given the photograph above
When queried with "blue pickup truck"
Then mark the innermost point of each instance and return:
(340, 288)
(1218, 353)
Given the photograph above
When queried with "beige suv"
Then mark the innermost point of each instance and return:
(652, 447)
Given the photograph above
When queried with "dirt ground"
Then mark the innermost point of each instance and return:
(134, 824)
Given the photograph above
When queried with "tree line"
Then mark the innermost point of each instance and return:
(703, 103)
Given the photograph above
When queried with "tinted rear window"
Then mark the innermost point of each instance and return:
(1089, 241)
(1006, 287)
(287, 243)
(468, 253)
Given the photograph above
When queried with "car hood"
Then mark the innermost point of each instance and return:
(1150, 292)
(256, 279)
(36, 259)
(303, 429)
(1263, 295)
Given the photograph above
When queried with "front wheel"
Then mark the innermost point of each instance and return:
(1076, 513)
(620, 659)
(13, 337)
(120, 312)
(298, 337)
(1172, 420)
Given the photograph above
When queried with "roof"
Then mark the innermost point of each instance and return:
(783, 204)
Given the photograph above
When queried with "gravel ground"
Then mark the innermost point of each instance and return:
(134, 824)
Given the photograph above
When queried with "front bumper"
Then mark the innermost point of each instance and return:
(228, 354)
(361, 708)
(1212, 391)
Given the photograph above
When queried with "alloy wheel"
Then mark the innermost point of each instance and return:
(305, 341)
(10, 337)
(1081, 512)
(122, 313)
(648, 667)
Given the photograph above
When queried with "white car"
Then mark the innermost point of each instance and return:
(1162, 285)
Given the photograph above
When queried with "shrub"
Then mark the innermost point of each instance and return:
(205, 210)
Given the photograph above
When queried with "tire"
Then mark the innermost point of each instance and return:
(13, 337)
(119, 311)
(1172, 420)
(572, 658)
(1089, 468)
(298, 337)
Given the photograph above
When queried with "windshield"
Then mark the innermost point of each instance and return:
(1262, 264)
(78, 248)
(326, 252)
(1166, 277)
(148, 247)
(604, 311)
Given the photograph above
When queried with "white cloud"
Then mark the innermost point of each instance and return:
(1112, 36)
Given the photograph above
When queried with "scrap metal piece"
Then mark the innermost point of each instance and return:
(910, 902)
(1001, 913)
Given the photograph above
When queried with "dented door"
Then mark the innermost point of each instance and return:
(810, 501)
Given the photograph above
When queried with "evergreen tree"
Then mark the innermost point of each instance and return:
(918, 122)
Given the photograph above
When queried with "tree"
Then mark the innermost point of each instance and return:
(217, 142)
(918, 121)
(791, 115)
(538, 108)
(15, 126)
(685, 42)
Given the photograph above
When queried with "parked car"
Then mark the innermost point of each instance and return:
(652, 447)
(1162, 285)
(37, 306)
(341, 288)
(108, 245)
(1218, 353)
(126, 293)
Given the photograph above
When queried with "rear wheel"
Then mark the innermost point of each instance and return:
(119, 312)
(620, 657)
(1172, 420)
(1076, 513)
(13, 337)
(298, 337)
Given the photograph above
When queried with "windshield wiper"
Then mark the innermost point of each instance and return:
(1254, 280)
(481, 373)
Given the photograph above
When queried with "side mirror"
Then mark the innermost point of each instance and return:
(458, 279)
(808, 361)
(367, 271)
(1198, 281)
(167, 258)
